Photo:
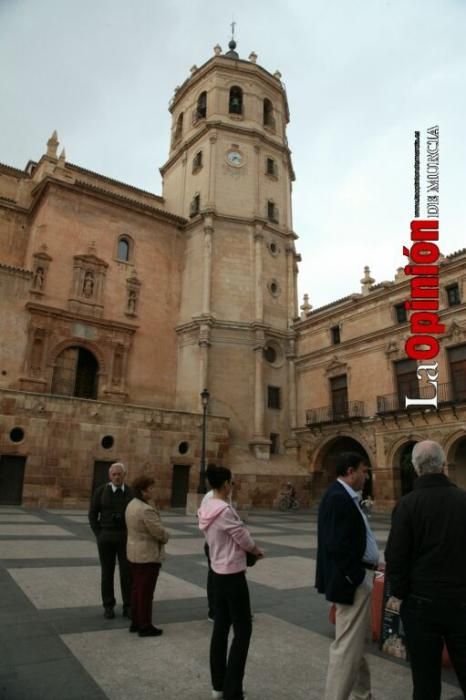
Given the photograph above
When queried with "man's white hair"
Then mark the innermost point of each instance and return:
(428, 457)
(120, 465)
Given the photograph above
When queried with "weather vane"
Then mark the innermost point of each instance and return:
(233, 25)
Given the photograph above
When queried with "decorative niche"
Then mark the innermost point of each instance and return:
(40, 267)
(88, 282)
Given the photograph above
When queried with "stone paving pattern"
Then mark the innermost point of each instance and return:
(56, 645)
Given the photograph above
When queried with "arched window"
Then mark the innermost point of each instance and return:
(201, 110)
(268, 113)
(236, 100)
(179, 127)
(76, 373)
(124, 248)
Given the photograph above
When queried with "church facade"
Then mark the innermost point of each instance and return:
(119, 307)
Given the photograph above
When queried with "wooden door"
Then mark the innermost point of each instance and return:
(11, 480)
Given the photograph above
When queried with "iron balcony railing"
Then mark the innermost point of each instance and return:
(446, 393)
(334, 414)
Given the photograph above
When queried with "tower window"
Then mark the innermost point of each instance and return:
(453, 294)
(274, 443)
(201, 109)
(268, 114)
(124, 247)
(195, 205)
(197, 162)
(179, 128)
(273, 397)
(235, 105)
(400, 313)
(271, 167)
(335, 333)
(272, 211)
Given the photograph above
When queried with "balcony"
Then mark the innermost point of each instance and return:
(335, 414)
(446, 394)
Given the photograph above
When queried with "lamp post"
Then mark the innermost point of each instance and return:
(205, 402)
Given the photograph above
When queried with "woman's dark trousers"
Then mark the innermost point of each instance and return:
(232, 607)
(144, 579)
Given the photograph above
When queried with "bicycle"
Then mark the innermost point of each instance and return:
(288, 502)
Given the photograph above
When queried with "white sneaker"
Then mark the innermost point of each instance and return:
(217, 694)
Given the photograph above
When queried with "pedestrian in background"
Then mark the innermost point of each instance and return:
(228, 541)
(146, 540)
(347, 556)
(107, 521)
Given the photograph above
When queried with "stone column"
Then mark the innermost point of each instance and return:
(259, 206)
(290, 356)
(204, 343)
(208, 230)
(258, 273)
(259, 443)
(212, 171)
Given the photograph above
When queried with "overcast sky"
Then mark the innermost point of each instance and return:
(361, 77)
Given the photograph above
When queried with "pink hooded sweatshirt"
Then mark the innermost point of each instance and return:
(227, 537)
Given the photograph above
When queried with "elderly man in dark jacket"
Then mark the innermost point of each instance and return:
(107, 521)
(426, 566)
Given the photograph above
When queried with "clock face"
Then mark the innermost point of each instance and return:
(234, 158)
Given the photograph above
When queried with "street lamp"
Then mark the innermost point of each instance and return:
(205, 402)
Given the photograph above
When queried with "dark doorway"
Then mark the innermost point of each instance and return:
(11, 480)
(101, 473)
(180, 485)
(76, 373)
(329, 460)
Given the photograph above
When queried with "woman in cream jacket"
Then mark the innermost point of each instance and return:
(145, 552)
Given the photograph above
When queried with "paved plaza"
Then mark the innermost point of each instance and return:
(56, 645)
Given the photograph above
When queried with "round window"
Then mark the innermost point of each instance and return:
(107, 442)
(16, 435)
(183, 447)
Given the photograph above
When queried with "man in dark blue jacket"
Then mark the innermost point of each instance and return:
(347, 556)
(426, 565)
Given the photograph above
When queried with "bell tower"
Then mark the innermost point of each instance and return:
(229, 173)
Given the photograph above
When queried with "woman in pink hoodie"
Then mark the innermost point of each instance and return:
(228, 541)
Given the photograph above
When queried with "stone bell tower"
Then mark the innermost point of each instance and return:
(229, 172)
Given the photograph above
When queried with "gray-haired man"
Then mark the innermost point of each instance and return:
(107, 520)
(426, 565)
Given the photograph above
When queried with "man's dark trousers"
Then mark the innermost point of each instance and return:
(112, 545)
(427, 624)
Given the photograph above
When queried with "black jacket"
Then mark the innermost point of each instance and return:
(107, 510)
(426, 548)
(341, 543)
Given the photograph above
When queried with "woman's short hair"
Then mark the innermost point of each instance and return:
(140, 484)
(216, 476)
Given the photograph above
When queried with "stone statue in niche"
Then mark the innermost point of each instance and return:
(38, 279)
(88, 285)
(132, 301)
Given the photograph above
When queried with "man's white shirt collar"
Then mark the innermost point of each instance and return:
(114, 488)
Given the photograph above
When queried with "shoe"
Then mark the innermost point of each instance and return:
(211, 619)
(217, 694)
(133, 627)
(150, 632)
(126, 612)
(109, 613)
